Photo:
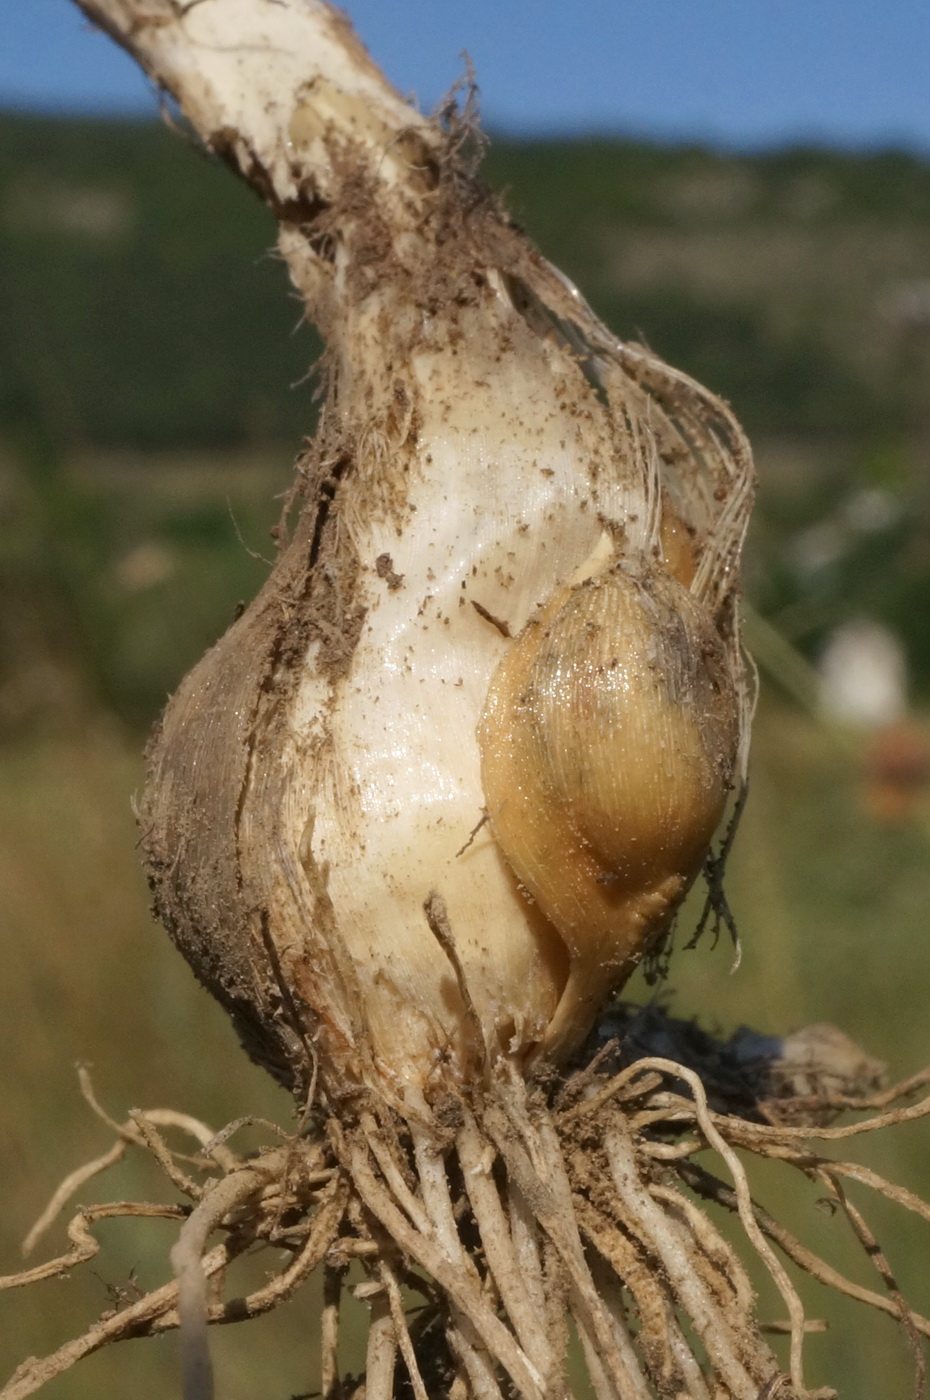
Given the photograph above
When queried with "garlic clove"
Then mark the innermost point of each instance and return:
(608, 743)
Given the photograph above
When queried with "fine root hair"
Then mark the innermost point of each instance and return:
(500, 1228)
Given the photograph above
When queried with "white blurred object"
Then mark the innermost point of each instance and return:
(817, 548)
(906, 305)
(863, 675)
(870, 510)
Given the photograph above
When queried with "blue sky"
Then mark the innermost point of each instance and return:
(738, 72)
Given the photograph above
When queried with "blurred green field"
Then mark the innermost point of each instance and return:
(146, 435)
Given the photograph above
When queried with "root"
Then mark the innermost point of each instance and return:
(382, 1352)
(214, 1206)
(519, 1208)
(247, 1202)
(876, 1255)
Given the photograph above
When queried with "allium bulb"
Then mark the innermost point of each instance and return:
(438, 789)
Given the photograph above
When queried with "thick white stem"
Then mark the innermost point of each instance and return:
(187, 1261)
(419, 1216)
(275, 84)
(476, 1362)
(286, 93)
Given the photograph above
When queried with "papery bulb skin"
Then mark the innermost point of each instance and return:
(608, 745)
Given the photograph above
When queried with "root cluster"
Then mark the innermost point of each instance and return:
(494, 1236)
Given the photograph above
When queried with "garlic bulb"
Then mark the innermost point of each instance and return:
(510, 593)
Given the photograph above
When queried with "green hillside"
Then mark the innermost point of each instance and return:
(138, 299)
(774, 279)
(140, 302)
(146, 321)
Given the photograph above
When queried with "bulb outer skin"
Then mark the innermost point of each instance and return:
(608, 742)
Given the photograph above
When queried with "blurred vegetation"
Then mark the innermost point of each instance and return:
(141, 301)
(145, 315)
(148, 349)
